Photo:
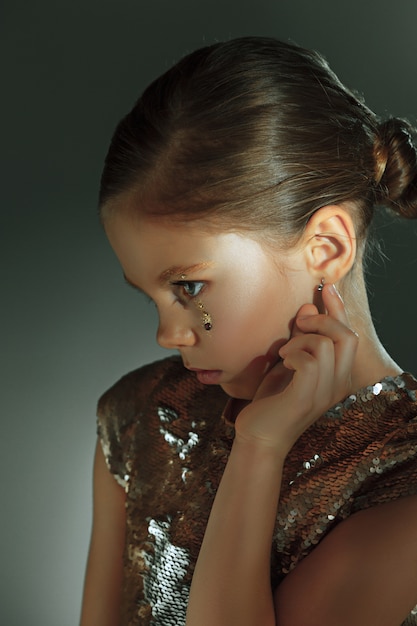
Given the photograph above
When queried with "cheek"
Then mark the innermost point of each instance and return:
(253, 321)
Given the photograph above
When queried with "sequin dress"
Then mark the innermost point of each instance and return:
(165, 440)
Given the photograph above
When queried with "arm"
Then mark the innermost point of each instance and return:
(364, 572)
(103, 580)
(231, 583)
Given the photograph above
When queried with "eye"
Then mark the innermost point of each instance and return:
(191, 288)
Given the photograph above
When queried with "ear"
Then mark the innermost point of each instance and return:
(330, 243)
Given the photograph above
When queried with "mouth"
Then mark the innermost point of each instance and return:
(207, 377)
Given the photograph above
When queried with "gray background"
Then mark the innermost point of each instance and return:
(69, 326)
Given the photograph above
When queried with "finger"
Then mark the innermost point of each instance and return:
(319, 347)
(333, 303)
(313, 381)
(323, 323)
(307, 310)
(345, 342)
(340, 333)
(336, 326)
(304, 381)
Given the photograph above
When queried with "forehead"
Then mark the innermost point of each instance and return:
(160, 247)
(143, 233)
(147, 211)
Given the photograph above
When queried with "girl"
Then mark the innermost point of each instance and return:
(268, 475)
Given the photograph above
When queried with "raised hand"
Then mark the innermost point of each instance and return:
(317, 362)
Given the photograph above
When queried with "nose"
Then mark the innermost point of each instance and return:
(173, 335)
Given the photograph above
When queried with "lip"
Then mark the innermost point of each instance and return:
(207, 377)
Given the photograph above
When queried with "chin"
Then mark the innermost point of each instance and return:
(245, 384)
(238, 391)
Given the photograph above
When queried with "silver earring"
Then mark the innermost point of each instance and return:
(320, 287)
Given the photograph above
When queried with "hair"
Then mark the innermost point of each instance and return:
(256, 134)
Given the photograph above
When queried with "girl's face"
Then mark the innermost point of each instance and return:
(248, 293)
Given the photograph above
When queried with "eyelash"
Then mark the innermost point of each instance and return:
(186, 283)
(183, 284)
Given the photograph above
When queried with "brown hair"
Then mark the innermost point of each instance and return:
(258, 134)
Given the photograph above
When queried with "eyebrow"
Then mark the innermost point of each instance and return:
(174, 270)
(179, 270)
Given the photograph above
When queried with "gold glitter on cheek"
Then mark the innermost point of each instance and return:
(207, 321)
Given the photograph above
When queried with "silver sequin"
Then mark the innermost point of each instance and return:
(182, 447)
(167, 564)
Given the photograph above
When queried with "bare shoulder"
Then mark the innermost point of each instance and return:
(363, 573)
(102, 587)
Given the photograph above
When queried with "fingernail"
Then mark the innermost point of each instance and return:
(334, 291)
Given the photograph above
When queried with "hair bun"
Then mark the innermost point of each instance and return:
(396, 164)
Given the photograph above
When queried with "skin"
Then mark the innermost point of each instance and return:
(250, 291)
(287, 362)
(239, 285)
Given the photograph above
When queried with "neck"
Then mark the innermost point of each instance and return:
(372, 361)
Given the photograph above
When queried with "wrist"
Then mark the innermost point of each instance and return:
(256, 451)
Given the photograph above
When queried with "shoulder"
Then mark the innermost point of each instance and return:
(129, 392)
(124, 408)
(164, 383)
(126, 402)
(363, 572)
